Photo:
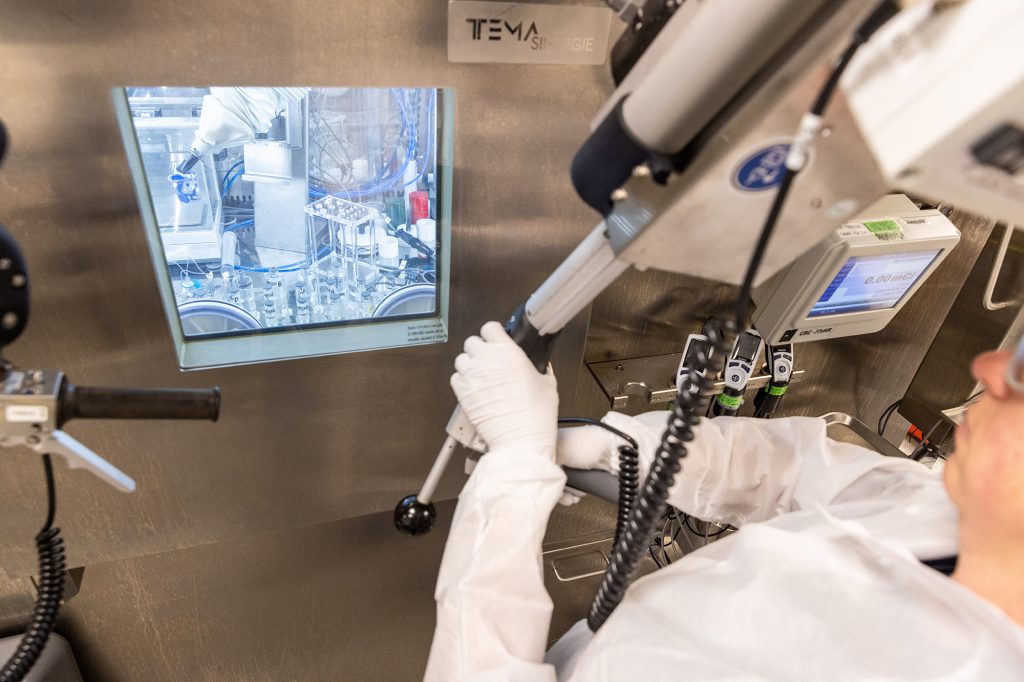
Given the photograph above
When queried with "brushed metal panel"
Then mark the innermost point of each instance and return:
(299, 442)
(944, 379)
(333, 601)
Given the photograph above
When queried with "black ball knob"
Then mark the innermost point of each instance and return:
(414, 517)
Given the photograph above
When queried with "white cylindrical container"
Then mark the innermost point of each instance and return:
(426, 231)
(388, 252)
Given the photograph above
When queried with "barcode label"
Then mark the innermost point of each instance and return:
(889, 236)
(885, 230)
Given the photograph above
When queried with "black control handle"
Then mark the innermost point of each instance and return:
(93, 402)
(538, 348)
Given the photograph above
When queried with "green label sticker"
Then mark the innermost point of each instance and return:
(776, 390)
(884, 230)
(729, 401)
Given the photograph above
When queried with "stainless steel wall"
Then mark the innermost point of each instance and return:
(299, 443)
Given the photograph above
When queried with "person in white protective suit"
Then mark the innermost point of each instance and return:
(824, 580)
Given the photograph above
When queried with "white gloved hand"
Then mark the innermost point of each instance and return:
(509, 402)
(591, 447)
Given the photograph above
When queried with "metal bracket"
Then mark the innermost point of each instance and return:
(997, 267)
(653, 379)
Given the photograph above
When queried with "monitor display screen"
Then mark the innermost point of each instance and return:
(876, 282)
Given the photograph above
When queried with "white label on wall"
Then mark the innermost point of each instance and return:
(524, 33)
(27, 413)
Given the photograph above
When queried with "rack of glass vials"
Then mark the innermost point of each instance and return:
(356, 268)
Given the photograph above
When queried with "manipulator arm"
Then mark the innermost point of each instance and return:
(234, 116)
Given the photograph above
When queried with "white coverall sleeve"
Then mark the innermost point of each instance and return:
(493, 613)
(740, 470)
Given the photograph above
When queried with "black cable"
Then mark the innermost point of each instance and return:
(670, 530)
(690, 403)
(827, 90)
(629, 488)
(972, 397)
(883, 419)
(664, 545)
(50, 548)
(629, 471)
(743, 298)
(597, 422)
(721, 529)
(51, 494)
(925, 444)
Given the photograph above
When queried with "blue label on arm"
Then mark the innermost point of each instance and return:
(762, 170)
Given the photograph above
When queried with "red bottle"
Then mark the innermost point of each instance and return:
(419, 206)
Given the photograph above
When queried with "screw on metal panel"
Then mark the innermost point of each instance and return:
(619, 195)
(9, 320)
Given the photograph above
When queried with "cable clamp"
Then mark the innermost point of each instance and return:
(800, 149)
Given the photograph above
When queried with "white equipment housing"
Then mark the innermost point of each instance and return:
(859, 277)
(939, 98)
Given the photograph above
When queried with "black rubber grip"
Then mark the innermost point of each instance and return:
(91, 402)
(605, 161)
(538, 348)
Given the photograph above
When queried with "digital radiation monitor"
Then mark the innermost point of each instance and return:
(856, 279)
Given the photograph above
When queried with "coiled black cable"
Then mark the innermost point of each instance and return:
(629, 488)
(50, 548)
(629, 470)
(689, 405)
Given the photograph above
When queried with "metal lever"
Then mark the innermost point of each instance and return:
(78, 456)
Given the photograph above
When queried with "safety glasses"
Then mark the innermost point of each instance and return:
(1015, 370)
